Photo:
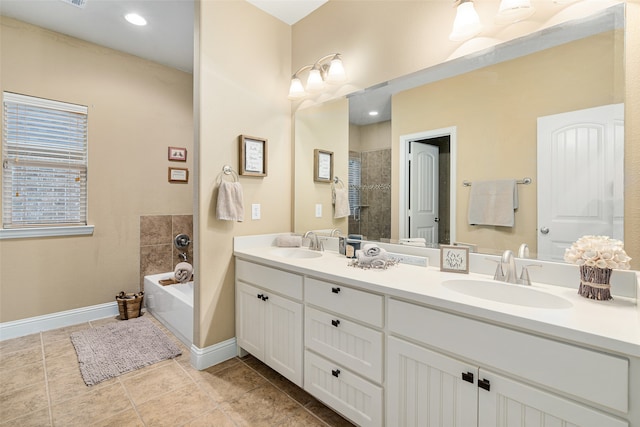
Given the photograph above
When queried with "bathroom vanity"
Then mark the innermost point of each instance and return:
(397, 347)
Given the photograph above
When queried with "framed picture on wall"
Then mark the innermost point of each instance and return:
(178, 154)
(322, 165)
(454, 259)
(179, 175)
(253, 156)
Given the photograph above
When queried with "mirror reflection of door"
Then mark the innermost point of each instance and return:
(580, 177)
(427, 213)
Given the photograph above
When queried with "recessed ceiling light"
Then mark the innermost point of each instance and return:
(373, 113)
(135, 19)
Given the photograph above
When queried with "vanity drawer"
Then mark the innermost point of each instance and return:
(350, 344)
(359, 305)
(568, 369)
(282, 282)
(355, 398)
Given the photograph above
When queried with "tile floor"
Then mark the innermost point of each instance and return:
(40, 385)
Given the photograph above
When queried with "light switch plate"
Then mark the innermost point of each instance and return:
(318, 210)
(255, 211)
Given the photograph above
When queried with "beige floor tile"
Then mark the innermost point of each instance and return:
(14, 359)
(215, 418)
(128, 418)
(25, 400)
(263, 406)
(177, 407)
(39, 418)
(59, 348)
(301, 417)
(21, 343)
(20, 377)
(144, 369)
(295, 392)
(229, 384)
(102, 322)
(62, 333)
(96, 405)
(72, 386)
(156, 381)
(327, 415)
(61, 366)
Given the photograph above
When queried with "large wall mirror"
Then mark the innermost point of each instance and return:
(487, 117)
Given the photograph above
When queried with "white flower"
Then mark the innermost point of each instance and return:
(598, 251)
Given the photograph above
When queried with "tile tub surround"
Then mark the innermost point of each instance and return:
(158, 254)
(42, 386)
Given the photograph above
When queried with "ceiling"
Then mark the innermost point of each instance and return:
(167, 39)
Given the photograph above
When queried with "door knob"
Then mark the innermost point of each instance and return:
(544, 230)
(436, 219)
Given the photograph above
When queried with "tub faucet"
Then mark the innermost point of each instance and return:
(183, 256)
(315, 245)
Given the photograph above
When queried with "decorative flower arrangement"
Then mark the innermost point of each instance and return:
(597, 256)
(598, 251)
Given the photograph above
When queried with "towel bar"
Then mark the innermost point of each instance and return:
(524, 181)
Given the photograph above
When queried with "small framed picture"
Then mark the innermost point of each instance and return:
(322, 165)
(253, 156)
(454, 259)
(180, 175)
(178, 154)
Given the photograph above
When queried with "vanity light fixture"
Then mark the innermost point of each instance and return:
(328, 69)
(466, 23)
(135, 19)
(511, 11)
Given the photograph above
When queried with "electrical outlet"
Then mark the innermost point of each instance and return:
(318, 210)
(255, 211)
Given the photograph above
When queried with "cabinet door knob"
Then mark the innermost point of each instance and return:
(335, 290)
(485, 384)
(265, 297)
(468, 377)
(335, 372)
(260, 296)
(335, 322)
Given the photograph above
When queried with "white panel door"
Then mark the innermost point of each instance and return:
(427, 389)
(423, 193)
(509, 403)
(580, 181)
(250, 312)
(284, 337)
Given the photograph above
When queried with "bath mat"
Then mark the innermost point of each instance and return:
(116, 348)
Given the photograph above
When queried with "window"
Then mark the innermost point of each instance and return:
(354, 183)
(44, 165)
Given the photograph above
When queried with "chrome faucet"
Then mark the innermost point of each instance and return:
(506, 271)
(335, 232)
(315, 244)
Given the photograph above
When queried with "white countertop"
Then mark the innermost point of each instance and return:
(613, 326)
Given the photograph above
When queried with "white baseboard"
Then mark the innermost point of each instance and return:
(33, 325)
(202, 358)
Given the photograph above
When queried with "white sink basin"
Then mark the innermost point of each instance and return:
(296, 253)
(506, 293)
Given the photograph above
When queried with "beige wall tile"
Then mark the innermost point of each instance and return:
(155, 229)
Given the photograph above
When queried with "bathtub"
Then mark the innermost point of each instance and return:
(172, 305)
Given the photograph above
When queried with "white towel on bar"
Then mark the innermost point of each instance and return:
(340, 200)
(230, 206)
(493, 203)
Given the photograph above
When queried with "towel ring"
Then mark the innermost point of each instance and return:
(228, 170)
(337, 181)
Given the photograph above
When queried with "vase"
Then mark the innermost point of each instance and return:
(594, 283)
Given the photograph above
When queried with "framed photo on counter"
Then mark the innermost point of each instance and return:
(454, 259)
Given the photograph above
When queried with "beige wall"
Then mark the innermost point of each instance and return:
(242, 79)
(324, 127)
(376, 136)
(136, 110)
(495, 111)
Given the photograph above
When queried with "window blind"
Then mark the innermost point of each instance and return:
(44, 162)
(354, 183)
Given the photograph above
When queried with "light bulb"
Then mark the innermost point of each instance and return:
(511, 11)
(466, 24)
(296, 90)
(336, 73)
(315, 81)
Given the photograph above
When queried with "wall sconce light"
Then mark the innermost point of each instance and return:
(511, 11)
(467, 22)
(328, 69)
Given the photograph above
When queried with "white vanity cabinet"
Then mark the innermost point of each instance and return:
(344, 349)
(269, 317)
(425, 387)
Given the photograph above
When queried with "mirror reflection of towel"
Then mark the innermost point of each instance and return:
(493, 202)
(230, 205)
(340, 198)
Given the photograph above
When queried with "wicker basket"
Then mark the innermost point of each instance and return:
(129, 305)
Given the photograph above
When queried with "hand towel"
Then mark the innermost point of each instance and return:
(230, 206)
(371, 249)
(340, 199)
(414, 241)
(289, 241)
(378, 260)
(493, 203)
(183, 272)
